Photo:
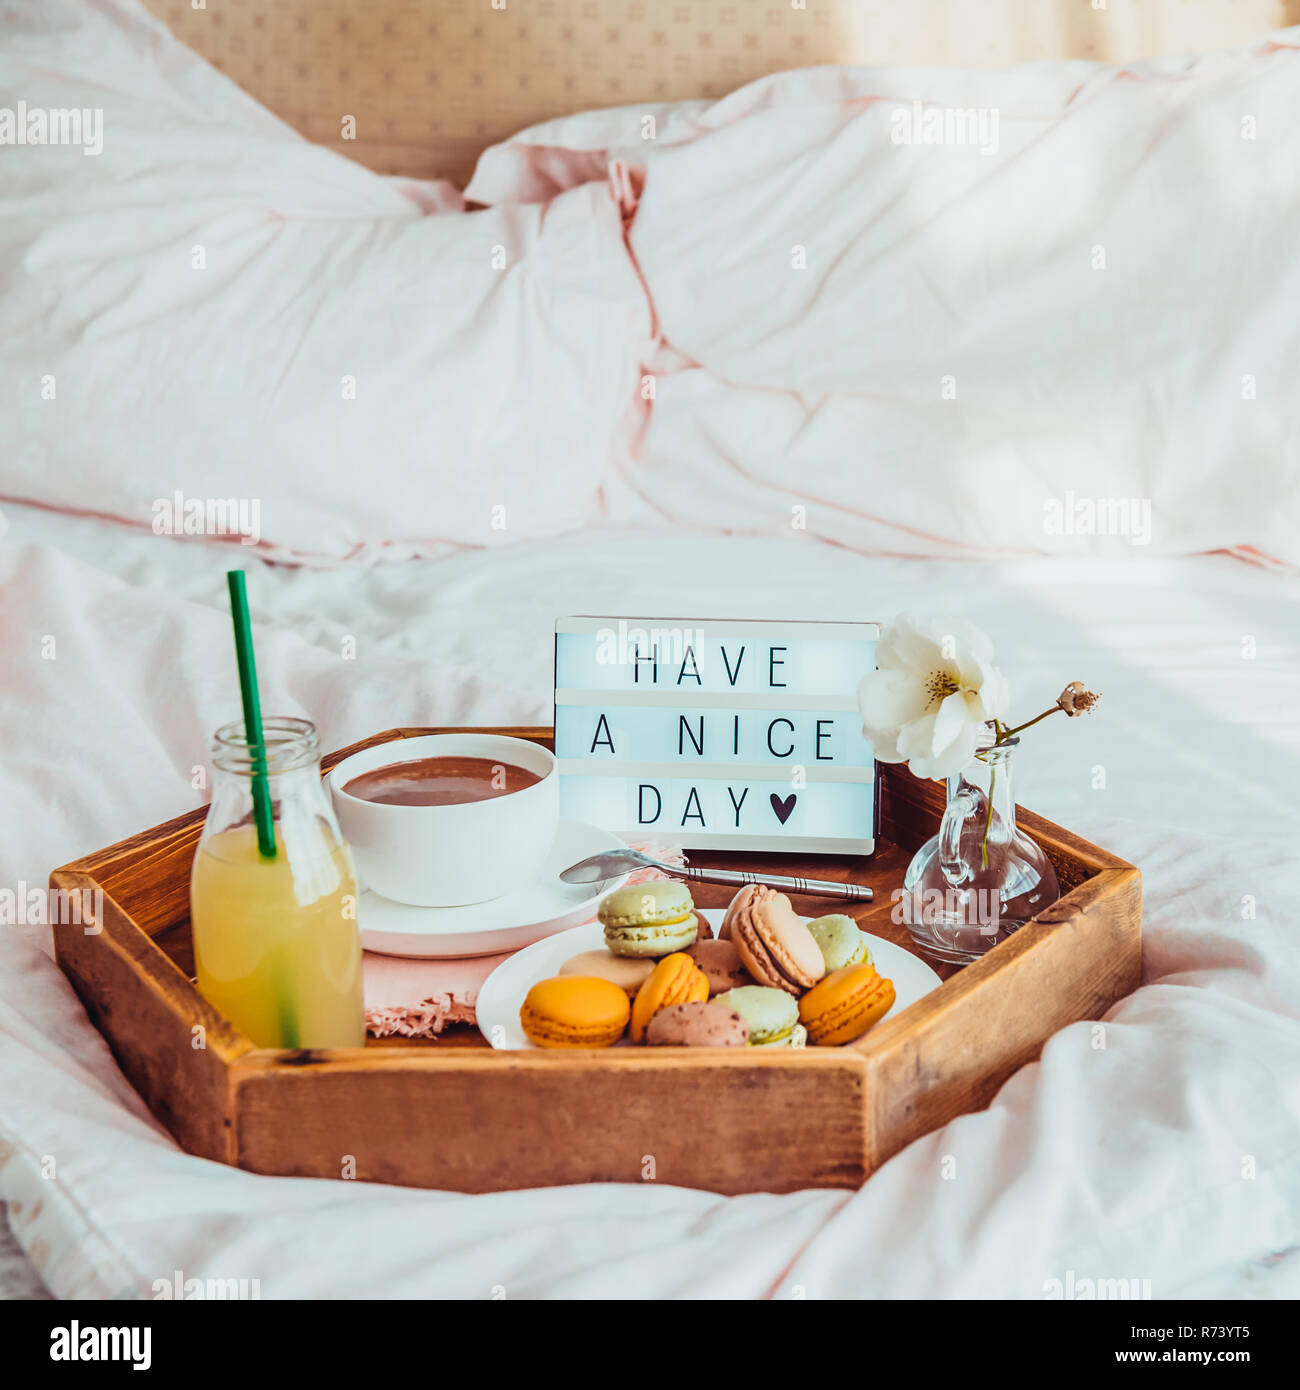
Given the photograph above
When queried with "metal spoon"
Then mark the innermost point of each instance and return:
(621, 861)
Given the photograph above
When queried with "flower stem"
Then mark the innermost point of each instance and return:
(988, 822)
(1004, 734)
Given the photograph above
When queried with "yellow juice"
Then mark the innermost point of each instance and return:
(276, 945)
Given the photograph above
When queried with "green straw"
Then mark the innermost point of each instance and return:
(286, 1013)
(252, 712)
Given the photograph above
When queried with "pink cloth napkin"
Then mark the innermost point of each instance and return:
(418, 998)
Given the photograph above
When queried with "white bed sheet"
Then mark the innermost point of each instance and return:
(1127, 1163)
(1198, 658)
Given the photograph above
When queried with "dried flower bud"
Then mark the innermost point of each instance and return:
(1074, 699)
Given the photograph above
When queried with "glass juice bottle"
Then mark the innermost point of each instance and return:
(276, 945)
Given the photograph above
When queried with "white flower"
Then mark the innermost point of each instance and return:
(935, 689)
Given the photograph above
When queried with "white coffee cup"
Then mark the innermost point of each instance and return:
(448, 856)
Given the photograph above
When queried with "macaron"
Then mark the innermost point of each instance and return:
(574, 1011)
(840, 940)
(772, 1015)
(698, 1024)
(720, 962)
(775, 946)
(845, 1004)
(704, 926)
(627, 972)
(675, 980)
(648, 919)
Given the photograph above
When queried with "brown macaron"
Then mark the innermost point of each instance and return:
(697, 1025)
(721, 964)
(705, 928)
(773, 941)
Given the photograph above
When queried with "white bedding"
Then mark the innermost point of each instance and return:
(786, 310)
(1126, 1162)
(813, 326)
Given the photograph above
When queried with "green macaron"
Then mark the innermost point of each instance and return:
(841, 942)
(772, 1015)
(648, 919)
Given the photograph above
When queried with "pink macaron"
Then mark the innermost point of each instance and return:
(774, 942)
(721, 964)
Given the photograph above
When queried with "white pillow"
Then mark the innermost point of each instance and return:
(1084, 339)
(545, 159)
(211, 305)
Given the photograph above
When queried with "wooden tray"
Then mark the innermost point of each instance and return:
(474, 1120)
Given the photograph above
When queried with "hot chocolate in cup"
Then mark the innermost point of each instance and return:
(444, 820)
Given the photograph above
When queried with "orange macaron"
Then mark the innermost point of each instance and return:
(675, 980)
(845, 1004)
(575, 1011)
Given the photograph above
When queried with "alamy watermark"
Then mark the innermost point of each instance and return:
(652, 646)
(1098, 516)
(965, 907)
(58, 125)
(34, 906)
(1074, 1289)
(178, 1287)
(919, 124)
(179, 515)
(77, 1343)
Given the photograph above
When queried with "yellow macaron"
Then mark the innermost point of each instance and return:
(675, 980)
(845, 1004)
(575, 1011)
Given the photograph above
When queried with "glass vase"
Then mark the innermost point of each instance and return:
(980, 878)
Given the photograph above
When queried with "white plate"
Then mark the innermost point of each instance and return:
(521, 918)
(497, 1007)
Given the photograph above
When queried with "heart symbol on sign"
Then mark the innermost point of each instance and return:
(782, 806)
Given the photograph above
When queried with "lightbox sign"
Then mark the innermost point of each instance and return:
(716, 734)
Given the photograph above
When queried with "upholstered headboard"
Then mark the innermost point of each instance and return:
(431, 83)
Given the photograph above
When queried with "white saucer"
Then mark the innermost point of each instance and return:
(537, 910)
(497, 1006)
